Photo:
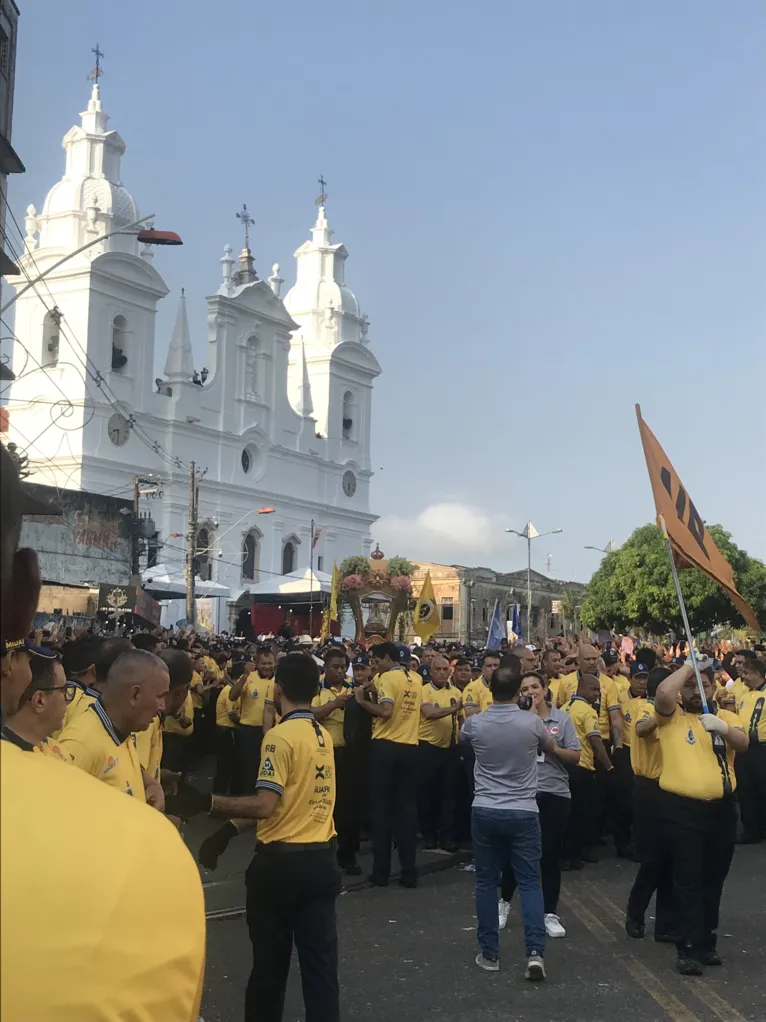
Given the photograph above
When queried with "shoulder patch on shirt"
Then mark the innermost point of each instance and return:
(267, 768)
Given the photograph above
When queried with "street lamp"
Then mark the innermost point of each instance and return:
(530, 533)
(603, 549)
(148, 236)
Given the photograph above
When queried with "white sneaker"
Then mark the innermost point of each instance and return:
(503, 908)
(535, 968)
(488, 964)
(553, 927)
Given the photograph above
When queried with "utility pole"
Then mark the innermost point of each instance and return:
(311, 583)
(135, 570)
(191, 547)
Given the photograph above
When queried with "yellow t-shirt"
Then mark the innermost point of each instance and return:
(83, 698)
(629, 706)
(690, 766)
(149, 745)
(297, 762)
(441, 732)
(92, 744)
(213, 667)
(197, 701)
(47, 746)
(645, 752)
(477, 694)
(404, 689)
(171, 725)
(224, 707)
(554, 687)
(585, 720)
(256, 694)
(333, 724)
(610, 699)
(145, 970)
(751, 710)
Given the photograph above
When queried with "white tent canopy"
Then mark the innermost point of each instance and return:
(171, 585)
(286, 585)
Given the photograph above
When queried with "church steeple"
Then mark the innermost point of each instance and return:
(305, 401)
(179, 365)
(246, 273)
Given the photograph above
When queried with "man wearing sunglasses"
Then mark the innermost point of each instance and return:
(41, 709)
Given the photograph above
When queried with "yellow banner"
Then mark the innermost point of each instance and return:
(426, 617)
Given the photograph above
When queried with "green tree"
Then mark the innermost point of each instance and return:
(633, 588)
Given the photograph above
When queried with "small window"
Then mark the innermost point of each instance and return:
(250, 550)
(5, 49)
(320, 563)
(51, 334)
(247, 461)
(448, 611)
(347, 423)
(484, 614)
(119, 343)
(288, 558)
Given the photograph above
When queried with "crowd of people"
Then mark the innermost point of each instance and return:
(530, 758)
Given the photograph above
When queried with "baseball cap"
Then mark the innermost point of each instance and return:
(360, 660)
(610, 656)
(704, 663)
(404, 655)
(637, 668)
(14, 645)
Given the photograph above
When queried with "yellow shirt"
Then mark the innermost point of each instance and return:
(224, 707)
(477, 694)
(171, 725)
(554, 687)
(645, 752)
(297, 762)
(197, 701)
(47, 746)
(99, 958)
(83, 698)
(149, 746)
(333, 724)
(751, 710)
(256, 694)
(585, 720)
(629, 706)
(213, 667)
(690, 766)
(93, 745)
(404, 689)
(439, 732)
(610, 699)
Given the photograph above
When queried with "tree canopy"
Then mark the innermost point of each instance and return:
(633, 588)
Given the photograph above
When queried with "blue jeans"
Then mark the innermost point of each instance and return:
(507, 838)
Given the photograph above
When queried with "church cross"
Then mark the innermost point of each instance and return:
(244, 217)
(97, 71)
(322, 198)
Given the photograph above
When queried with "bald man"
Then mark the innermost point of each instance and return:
(527, 657)
(101, 741)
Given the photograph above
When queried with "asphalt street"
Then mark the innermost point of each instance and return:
(408, 955)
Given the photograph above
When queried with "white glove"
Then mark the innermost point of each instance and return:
(711, 722)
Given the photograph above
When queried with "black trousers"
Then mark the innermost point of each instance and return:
(750, 770)
(554, 819)
(437, 771)
(582, 785)
(655, 872)
(700, 837)
(393, 801)
(248, 758)
(619, 795)
(176, 752)
(225, 752)
(291, 895)
(348, 810)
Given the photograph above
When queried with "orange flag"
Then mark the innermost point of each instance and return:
(691, 543)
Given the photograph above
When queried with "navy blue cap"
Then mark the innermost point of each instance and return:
(680, 660)
(13, 645)
(360, 660)
(425, 672)
(405, 654)
(637, 668)
(611, 656)
(476, 663)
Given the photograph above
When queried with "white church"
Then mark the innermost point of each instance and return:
(280, 418)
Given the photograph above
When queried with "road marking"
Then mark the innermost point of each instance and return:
(676, 1010)
(721, 1008)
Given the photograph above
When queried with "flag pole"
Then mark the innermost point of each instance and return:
(311, 583)
(682, 605)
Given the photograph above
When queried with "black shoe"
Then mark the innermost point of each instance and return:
(429, 846)
(576, 863)
(635, 928)
(708, 958)
(378, 881)
(353, 869)
(689, 966)
(451, 848)
(666, 938)
(747, 839)
(602, 841)
(409, 882)
(627, 852)
(589, 857)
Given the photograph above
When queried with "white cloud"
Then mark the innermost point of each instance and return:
(447, 533)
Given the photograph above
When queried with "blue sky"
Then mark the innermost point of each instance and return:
(553, 210)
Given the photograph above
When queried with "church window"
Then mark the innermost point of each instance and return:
(251, 555)
(288, 558)
(51, 328)
(320, 563)
(348, 431)
(204, 567)
(247, 462)
(119, 343)
(251, 381)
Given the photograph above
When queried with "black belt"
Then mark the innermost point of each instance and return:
(292, 846)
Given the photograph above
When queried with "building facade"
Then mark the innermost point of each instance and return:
(278, 415)
(466, 598)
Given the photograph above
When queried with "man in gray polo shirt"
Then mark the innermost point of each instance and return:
(505, 825)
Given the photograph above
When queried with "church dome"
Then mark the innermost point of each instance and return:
(67, 196)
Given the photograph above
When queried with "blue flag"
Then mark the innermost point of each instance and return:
(516, 624)
(497, 628)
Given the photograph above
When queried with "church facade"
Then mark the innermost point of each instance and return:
(280, 416)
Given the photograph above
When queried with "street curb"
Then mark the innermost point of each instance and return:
(352, 886)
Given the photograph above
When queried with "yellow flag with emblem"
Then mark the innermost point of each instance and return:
(426, 618)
